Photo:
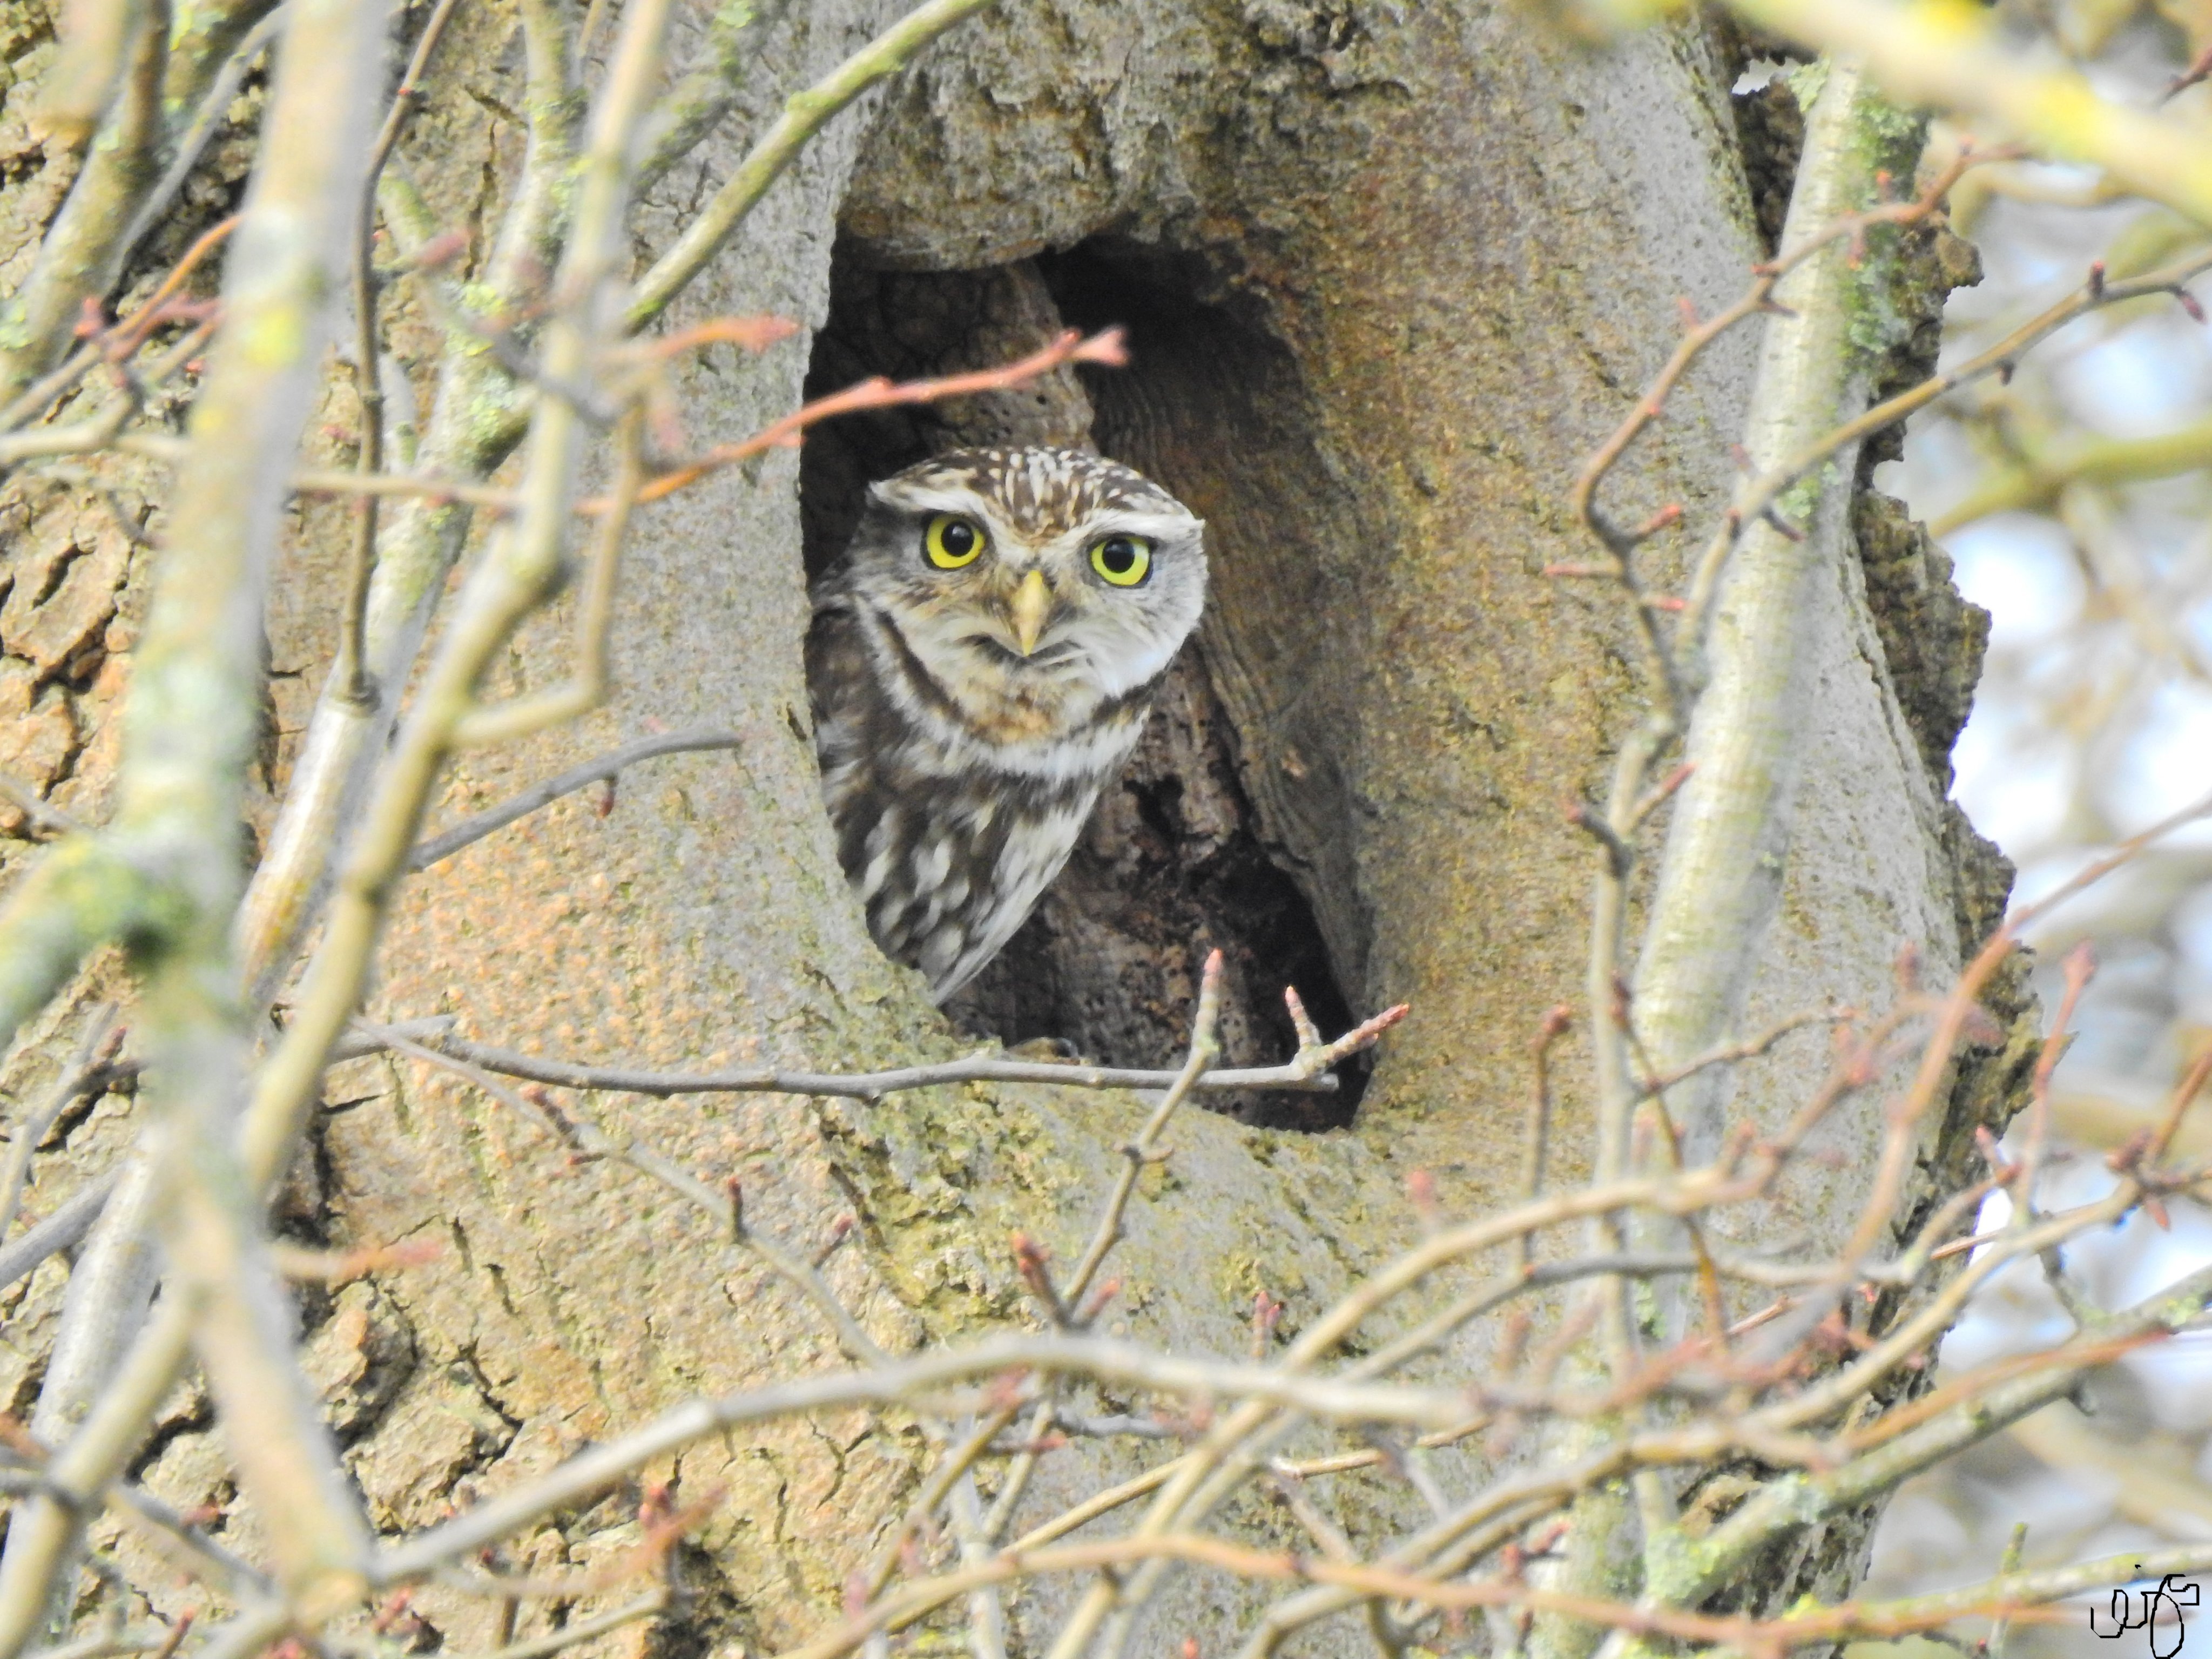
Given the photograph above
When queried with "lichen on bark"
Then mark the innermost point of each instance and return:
(1390, 271)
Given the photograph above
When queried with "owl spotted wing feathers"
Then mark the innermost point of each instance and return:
(957, 768)
(947, 854)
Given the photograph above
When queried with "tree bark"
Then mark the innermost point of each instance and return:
(1390, 272)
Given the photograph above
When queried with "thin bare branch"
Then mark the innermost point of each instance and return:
(37, 809)
(1309, 1070)
(606, 768)
(352, 668)
(213, 107)
(61, 1231)
(1105, 348)
(911, 1382)
(94, 1050)
(726, 1207)
(805, 114)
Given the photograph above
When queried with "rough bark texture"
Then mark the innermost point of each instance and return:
(1390, 271)
(1389, 276)
(1368, 353)
(1171, 865)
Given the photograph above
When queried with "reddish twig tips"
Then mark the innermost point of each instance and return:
(1095, 1303)
(1344, 1365)
(1421, 1191)
(129, 335)
(2184, 1095)
(1536, 1133)
(1030, 1262)
(1619, 543)
(1664, 790)
(1308, 1070)
(1106, 348)
(1362, 1034)
(1266, 1312)
(1209, 977)
(746, 333)
(178, 1632)
(392, 1612)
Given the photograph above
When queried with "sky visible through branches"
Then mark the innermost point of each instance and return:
(1687, 1363)
(2094, 717)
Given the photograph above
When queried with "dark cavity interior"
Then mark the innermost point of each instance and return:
(1173, 863)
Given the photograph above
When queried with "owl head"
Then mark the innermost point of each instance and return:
(1033, 586)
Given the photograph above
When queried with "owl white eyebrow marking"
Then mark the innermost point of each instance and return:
(921, 499)
(1153, 526)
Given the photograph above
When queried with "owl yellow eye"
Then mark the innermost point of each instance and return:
(951, 541)
(1124, 561)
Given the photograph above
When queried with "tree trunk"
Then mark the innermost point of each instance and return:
(1390, 272)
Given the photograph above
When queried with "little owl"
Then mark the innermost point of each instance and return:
(981, 664)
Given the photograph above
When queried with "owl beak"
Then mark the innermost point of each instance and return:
(1030, 610)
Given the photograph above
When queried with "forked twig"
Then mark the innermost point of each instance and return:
(1309, 1070)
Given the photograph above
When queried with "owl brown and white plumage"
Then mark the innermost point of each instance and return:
(981, 664)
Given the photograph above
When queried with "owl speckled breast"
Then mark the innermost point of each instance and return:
(981, 664)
